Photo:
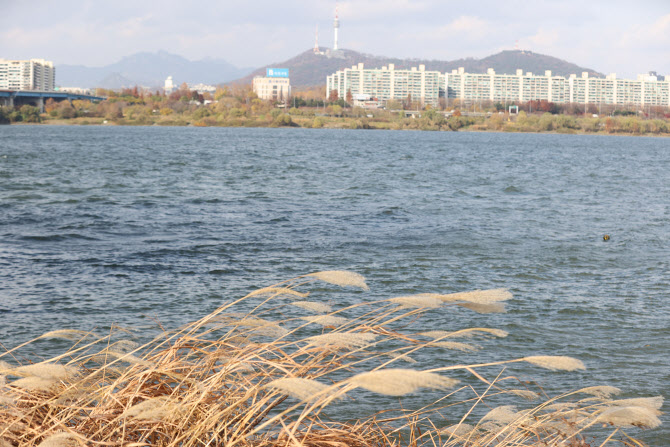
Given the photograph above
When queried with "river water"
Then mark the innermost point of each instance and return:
(134, 225)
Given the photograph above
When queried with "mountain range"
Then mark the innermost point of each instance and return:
(311, 69)
(150, 70)
(306, 69)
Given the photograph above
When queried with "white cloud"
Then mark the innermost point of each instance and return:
(656, 34)
(372, 10)
(543, 39)
(607, 35)
(464, 28)
(474, 27)
(135, 27)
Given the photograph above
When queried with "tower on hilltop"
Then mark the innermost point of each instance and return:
(336, 27)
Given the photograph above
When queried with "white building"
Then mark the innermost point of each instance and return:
(386, 83)
(428, 86)
(169, 85)
(33, 74)
(524, 87)
(275, 86)
(202, 88)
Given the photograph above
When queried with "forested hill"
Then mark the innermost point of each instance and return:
(309, 69)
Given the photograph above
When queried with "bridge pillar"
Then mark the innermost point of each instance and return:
(40, 104)
(8, 102)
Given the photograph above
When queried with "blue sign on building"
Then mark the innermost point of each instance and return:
(277, 72)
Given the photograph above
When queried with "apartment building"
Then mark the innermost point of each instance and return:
(428, 86)
(33, 74)
(646, 90)
(387, 83)
(490, 86)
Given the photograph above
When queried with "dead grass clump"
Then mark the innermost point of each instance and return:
(263, 378)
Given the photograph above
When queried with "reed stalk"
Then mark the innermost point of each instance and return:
(262, 371)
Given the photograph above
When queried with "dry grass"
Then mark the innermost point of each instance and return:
(265, 378)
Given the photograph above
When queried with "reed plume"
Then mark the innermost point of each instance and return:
(326, 320)
(277, 291)
(482, 308)
(61, 440)
(35, 383)
(470, 332)
(397, 382)
(461, 431)
(299, 388)
(400, 356)
(420, 300)
(555, 362)
(504, 414)
(478, 296)
(341, 278)
(453, 345)
(157, 408)
(601, 391)
(343, 340)
(312, 306)
(632, 416)
(44, 371)
(67, 334)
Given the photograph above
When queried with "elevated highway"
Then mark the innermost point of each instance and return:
(15, 98)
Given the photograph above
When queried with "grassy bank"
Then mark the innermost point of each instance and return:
(306, 118)
(265, 369)
(240, 108)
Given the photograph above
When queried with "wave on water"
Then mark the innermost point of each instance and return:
(154, 229)
(57, 237)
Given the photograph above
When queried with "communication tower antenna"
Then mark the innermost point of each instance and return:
(336, 27)
(316, 40)
(516, 46)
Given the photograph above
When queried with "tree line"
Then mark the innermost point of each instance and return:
(237, 105)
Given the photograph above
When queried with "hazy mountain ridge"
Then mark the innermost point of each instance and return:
(150, 70)
(309, 69)
(306, 69)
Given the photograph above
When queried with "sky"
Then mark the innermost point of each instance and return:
(609, 36)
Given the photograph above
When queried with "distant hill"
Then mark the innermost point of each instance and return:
(309, 69)
(150, 70)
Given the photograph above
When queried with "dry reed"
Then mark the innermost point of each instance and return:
(233, 379)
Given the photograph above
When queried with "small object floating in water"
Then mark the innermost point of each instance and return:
(606, 237)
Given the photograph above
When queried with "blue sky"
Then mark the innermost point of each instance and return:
(610, 36)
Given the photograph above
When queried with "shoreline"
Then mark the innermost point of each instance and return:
(343, 126)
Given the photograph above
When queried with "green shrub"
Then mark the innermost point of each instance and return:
(67, 112)
(4, 115)
(201, 113)
(30, 114)
(359, 124)
(546, 122)
(282, 120)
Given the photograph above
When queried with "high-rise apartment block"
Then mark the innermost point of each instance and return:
(386, 83)
(523, 87)
(33, 74)
(428, 86)
(489, 86)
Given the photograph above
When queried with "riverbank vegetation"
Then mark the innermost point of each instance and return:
(239, 107)
(281, 367)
